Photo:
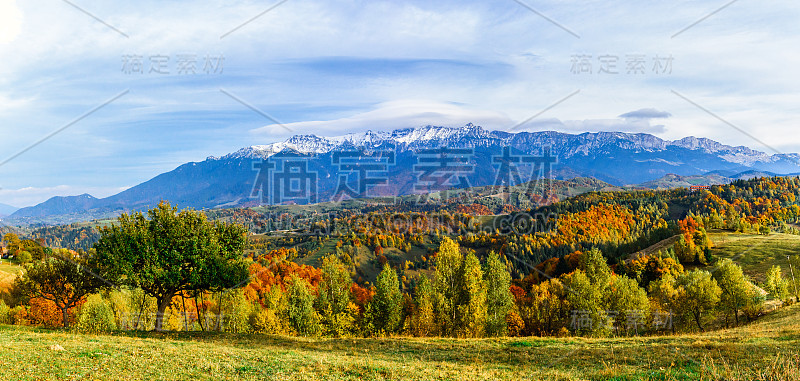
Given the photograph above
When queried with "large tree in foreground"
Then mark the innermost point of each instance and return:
(63, 279)
(169, 252)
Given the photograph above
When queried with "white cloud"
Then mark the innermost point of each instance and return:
(10, 21)
(414, 113)
(392, 115)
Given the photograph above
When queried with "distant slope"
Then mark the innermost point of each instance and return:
(58, 206)
(7, 210)
(676, 181)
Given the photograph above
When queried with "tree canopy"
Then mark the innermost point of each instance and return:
(169, 252)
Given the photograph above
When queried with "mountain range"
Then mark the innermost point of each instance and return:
(613, 157)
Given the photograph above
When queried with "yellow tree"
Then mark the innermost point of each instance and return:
(472, 309)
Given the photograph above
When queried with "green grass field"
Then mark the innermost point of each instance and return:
(10, 267)
(756, 253)
(766, 349)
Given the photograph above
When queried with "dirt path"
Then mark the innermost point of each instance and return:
(661, 245)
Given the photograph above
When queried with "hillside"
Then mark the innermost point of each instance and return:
(764, 350)
(6, 210)
(676, 181)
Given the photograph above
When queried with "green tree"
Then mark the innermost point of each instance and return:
(36, 250)
(499, 300)
(595, 267)
(24, 257)
(472, 309)
(300, 311)
(447, 285)
(629, 301)
(736, 289)
(334, 297)
(586, 302)
(794, 273)
(64, 281)
(665, 295)
(698, 294)
(387, 303)
(775, 285)
(96, 315)
(686, 251)
(170, 252)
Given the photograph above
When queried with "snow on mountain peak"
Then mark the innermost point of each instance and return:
(567, 145)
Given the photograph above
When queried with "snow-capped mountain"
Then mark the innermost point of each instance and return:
(566, 145)
(614, 157)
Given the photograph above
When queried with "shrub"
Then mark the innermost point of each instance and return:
(96, 316)
(5, 313)
(19, 315)
(24, 257)
(265, 321)
(45, 312)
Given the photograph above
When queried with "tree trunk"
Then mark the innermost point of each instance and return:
(141, 310)
(185, 318)
(199, 318)
(219, 312)
(163, 303)
(65, 317)
(697, 320)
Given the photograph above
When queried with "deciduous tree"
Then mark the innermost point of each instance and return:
(387, 303)
(472, 309)
(698, 294)
(169, 252)
(498, 295)
(64, 281)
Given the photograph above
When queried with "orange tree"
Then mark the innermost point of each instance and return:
(61, 280)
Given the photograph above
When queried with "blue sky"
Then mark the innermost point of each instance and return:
(333, 67)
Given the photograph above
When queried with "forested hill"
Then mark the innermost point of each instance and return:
(487, 218)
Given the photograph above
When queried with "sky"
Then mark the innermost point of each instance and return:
(99, 96)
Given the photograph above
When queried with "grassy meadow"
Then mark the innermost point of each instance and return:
(756, 253)
(768, 349)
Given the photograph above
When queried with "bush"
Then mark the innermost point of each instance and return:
(24, 257)
(19, 315)
(45, 312)
(265, 321)
(96, 316)
(5, 313)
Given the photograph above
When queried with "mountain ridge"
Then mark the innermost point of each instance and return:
(618, 158)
